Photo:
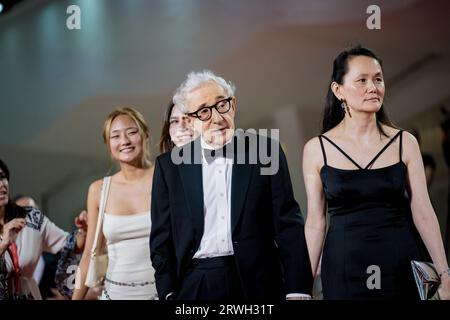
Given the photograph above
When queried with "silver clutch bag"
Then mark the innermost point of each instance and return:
(427, 279)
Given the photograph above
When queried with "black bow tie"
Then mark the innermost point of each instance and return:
(212, 154)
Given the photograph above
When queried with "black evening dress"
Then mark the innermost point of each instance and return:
(371, 232)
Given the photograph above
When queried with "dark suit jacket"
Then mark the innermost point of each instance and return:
(267, 226)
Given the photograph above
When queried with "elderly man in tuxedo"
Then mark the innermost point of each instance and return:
(221, 228)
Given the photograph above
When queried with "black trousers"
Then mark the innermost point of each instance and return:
(211, 279)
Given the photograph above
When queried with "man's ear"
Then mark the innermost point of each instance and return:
(233, 104)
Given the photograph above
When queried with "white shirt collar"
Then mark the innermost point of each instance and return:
(205, 145)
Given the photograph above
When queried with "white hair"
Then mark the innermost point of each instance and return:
(197, 79)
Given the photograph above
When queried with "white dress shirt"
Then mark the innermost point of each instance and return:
(216, 240)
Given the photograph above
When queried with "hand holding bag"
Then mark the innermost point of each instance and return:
(98, 263)
(426, 278)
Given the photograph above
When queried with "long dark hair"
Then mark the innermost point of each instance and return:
(333, 113)
(12, 210)
(165, 142)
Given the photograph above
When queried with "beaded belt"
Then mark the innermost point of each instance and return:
(129, 284)
(153, 297)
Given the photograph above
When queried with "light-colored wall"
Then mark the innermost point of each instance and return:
(296, 127)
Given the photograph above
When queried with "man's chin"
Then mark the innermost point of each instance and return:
(218, 140)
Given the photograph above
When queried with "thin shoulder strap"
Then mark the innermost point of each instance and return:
(401, 141)
(385, 147)
(101, 212)
(323, 150)
(342, 151)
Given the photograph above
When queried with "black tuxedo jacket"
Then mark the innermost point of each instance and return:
(267, 226)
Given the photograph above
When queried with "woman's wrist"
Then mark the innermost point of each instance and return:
(81, 234)
(3, 246)
(80, 240)
(445, 273)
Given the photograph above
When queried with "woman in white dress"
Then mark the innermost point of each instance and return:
(126, 223)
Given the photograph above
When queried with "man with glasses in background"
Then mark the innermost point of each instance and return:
(221, 230)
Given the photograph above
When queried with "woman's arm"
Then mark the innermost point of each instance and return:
(423, 213)
(81, 224)
(93, 207)
(3, 247)
(10, 232)
(315, 225)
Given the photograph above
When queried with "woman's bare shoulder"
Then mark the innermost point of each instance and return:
(95, 187)
(312, 152)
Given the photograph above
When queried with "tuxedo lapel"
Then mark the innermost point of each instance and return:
(191, 178)
(239, 183)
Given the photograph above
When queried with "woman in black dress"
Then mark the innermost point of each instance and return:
(371, 178)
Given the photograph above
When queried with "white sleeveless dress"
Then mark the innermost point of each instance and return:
(130, 274)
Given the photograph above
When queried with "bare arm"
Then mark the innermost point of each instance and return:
(93, 207)
(315, 225)
(423, 213)
(81, 224)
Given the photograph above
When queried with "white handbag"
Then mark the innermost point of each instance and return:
(98, 263)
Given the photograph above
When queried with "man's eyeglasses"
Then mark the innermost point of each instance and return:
(204, 114)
